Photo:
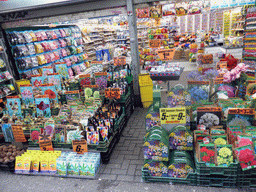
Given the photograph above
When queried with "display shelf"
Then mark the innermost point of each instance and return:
(167, 78)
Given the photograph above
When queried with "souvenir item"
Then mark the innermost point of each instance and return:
(155, 11)
(169, 9)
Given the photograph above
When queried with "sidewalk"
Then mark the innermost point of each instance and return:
(122, 173)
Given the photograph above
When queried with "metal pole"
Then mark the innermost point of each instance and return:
(135, 62)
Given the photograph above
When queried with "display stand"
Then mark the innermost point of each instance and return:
(167, 78)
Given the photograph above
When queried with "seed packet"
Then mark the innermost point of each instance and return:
(219, 139)
(214, 131)
(224, 155)
(240, 117)
(221, 86)
(47, 70)
(34, 134)
(37, 80)
(156, 168)
(181, 138)
(245, 156)
(92, 138)
(207, 154)
(20, 38)
(169, 9)
(43, 106)
(41, 59)
(20, 51)
(26, 92)
(101, 80)
(31, 49)
(243, 140)
(7, 132)
(103, 131)
(178, 96)
(54, 78)
(13, 105)
(49, 128)
(142, 12)
(155, 11)
(199, 91)
(209, 116)
(62, 70)
(33, 36)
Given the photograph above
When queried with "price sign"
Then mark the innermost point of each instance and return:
(166, 54)
(112, 93)
(18, 133)
(119, 61)
(45, 142)
(157, 22)
(155, 43)
(46, 146)
(173, 115)
(96, 62)
(80, 146)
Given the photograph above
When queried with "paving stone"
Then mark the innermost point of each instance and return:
(131, 170)
(102, 168)
(136, 151)
(131, 147)
(125, 164)
(119, 159)
(108, 177)
(125, 178)
(125, 153)
(137, 162)
(126, 143)
(131, 157)
(121, 148)
(138, 173)
(119, 171)
(107, 170)
(136, 134)
(114, 166)
(138, 167)
(137, 179)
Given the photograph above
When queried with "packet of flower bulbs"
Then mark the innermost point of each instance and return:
(14, 105)
(215, 131)
(240, 117)
(50, 91)
(222, 86)
(207, 154)
(199, 91)
(245, 156)
(224, 155)
(209, 116)
(219, 139)
(243, 140)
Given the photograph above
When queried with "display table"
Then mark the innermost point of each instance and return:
(167, 78)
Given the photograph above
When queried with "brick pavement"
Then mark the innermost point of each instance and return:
(127, 158)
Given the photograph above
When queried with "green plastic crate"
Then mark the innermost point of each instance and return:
(191, 178)
(204, 170)
(217, 181)
(117, 125)
(246, 179)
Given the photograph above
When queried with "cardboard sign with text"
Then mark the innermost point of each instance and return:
(18, 133)
(80, 146)
(155, 43)
(112, 93)
(166, 54)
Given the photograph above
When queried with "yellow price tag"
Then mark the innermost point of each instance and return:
(173, 115)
